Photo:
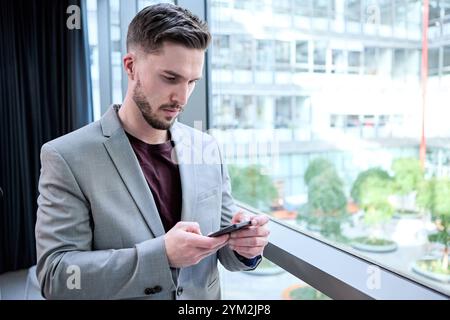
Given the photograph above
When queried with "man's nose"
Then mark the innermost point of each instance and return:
(181, 95)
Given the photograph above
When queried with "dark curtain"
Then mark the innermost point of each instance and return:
(45, 93)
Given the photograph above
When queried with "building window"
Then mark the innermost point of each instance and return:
(353, 10)
(242, 52)
(320, 8)
(301, 52)
(354, 62)
(433, 61)
(264, 54)
(371, 61)
(283, 112)
(338, 61)
(446, 51)
(302, 7)
(282, 53)
(320, 51)
(222, 52)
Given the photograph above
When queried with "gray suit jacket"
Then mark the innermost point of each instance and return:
(98, 231)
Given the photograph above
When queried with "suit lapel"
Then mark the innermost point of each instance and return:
(122, 154)
(184, 156)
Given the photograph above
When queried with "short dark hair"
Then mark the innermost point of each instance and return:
(167, 22)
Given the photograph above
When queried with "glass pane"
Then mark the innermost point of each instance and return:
(353, 10)
(447, 56)
(433, 61)
(301, 52)
(144, 3)
(320, 48)
(264, 54)
(335, 119)
(93, 51)
(116, 54)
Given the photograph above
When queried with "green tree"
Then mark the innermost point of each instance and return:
(408, 175)
(317, 167)
(373, 194)
(251, 186)
(434, 195)
(327, 203)
(361, 179)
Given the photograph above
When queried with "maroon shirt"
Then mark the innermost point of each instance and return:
(163, 178)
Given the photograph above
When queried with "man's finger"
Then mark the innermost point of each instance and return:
(204, 242)
(260, 220)
(251, 232)
(189, 226)
(239, 217)
(249, 252)
(248, 242)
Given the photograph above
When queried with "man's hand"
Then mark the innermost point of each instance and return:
(250, 242)
(186, 246)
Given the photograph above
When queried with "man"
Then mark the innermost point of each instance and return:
(126, 202)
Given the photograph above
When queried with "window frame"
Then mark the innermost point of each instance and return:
(347, 278)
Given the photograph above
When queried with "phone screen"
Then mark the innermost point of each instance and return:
(232, 228)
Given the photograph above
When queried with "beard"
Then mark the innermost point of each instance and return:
(149, 114)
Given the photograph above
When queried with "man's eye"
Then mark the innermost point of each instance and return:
(170, 79)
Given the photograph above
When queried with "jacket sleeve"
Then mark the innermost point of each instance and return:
(67, 266)
(228, 258)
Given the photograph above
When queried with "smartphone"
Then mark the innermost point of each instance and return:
(232, 228)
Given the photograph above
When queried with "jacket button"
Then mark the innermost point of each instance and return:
(157, 289)
(179, 291)
(149, 291)
(153, 290)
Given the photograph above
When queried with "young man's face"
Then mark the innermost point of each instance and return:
(164, 81)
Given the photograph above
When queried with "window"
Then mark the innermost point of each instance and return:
(320, 48)
(446, 52)
(302, 7)
(398, 66)
(358, 122)
(264, 54)
(93, 50)
(302, 52)
(283, 112)
(386, 14)
(116, 54)
(242, 52)
(282, 52)
(222, 51)
(244, 111)
(338, 61)
(371, 61)
(433, 61)
(320, 8)
(354, 62)
(353, 10)
(282, 6)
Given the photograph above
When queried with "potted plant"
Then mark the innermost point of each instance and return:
(434, 195)
(408, 175)
(371, 190)
(251, 186)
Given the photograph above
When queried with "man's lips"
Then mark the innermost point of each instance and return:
(171, 111)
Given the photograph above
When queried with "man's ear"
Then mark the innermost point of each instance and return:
(129, 63)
